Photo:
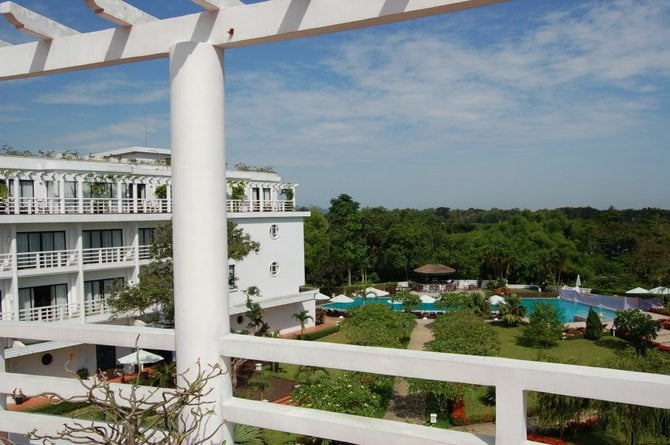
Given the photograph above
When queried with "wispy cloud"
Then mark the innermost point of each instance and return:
(581, 77)
(107, 90)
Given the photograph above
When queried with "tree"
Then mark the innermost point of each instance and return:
(410, 302)
(638, 327)
(634, 420)
(257, 325)
(301, 317)
(544, 328)
(345, 229)
(512, 311)
(594, 327)
(376, 324)
(458, 331)
(133, 416)
(156, 282)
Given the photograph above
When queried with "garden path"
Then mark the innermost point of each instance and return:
(405, 407)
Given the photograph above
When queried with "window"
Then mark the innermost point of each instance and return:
(145, 240)
(274, 231)
(41, 297)
(274, 269)
(103, 241)
(96, 292)
(47, 243)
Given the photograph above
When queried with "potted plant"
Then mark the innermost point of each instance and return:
(161, 193)
(4, 197)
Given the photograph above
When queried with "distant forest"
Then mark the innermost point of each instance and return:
(610, 249)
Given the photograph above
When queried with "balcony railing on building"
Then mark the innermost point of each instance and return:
(55, 259)
(99, 305)
(91, 206)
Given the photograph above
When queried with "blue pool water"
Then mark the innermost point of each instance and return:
(567, 309)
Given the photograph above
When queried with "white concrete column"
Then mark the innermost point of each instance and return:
(14, 284)
(80, 195)
(135, 197)
(80, 295)
(119, 196)
(511, 420)
(17, 195)
(136, 252)
(168, 196)
(61, 194)
(3, 397)
(199, 216)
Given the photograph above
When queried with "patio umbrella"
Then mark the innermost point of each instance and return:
(341, 299)
(660, 290)
(427, 299)
(321, 297)
(637, 290)
(497, 299)
(139, 357)
(578, 283)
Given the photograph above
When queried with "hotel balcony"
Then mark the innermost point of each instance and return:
(93, 206)
(513, 379)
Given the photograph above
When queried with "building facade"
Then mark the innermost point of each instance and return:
(71, 230)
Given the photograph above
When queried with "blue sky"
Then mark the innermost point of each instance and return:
(529, 104)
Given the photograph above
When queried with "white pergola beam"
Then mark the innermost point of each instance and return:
(119, 12)
(32, 23)
(213, 5)
(252, 24)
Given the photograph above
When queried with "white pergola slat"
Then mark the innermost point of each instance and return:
(33, 23)
(213, 5)
(119, 12)
(270, 21)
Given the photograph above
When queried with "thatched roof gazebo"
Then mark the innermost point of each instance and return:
(433, 278)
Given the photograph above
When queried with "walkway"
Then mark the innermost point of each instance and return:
(405, 407)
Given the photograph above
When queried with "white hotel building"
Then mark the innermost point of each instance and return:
(71, 228)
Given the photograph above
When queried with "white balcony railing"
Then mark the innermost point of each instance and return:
(47, 259)
(244, 206)
(108, 255)
(511, 378)
(58, 312)
(6, 262)
(96, 306)
(91, 206)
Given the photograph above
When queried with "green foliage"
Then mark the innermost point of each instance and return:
(247, 435)
(257, 325)
(463, 332)
(633, 420)
(316, 335)
(349, 392)
(594, 327)
(375, 324)
(82, 373)
(409, 301)
(302, 317)
(345, 230)
(237, 190)
(544, 328)
(638, 327)
(512, 311)
(156, 283)
(165, 376)
(615, 249)
(480, 304)
(161, 191)
(452, 301)
(260, 384)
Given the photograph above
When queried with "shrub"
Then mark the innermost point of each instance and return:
(594, 327)
(315, 335)
(544, 328)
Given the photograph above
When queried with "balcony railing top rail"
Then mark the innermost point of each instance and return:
(512, 379)
(66, 206)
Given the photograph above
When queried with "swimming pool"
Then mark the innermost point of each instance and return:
(568, 310)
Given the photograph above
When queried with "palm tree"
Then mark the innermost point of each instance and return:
(302, 317)
(512, 310)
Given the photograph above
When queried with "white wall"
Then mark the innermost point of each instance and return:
(31, 364)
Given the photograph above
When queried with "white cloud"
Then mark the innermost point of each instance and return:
(107, 90)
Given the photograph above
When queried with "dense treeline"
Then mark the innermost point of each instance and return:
(610, 249)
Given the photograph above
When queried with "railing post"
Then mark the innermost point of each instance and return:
(511, 420)
(199, 220)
